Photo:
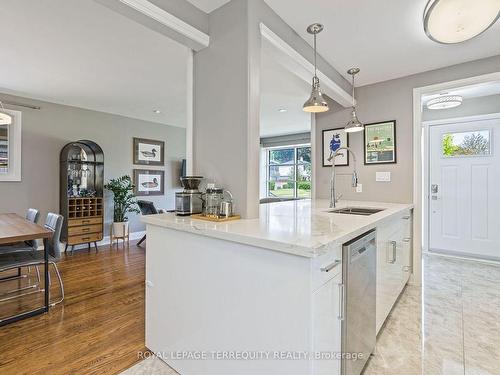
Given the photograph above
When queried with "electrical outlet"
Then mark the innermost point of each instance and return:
(383, 177)
(359, 188)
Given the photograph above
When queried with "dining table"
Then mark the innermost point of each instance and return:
(15, 228)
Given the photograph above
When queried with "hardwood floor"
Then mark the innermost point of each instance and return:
(98, 329)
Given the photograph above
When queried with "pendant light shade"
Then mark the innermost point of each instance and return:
(5, 118)
(455, 21)
(354, 125)
(316, 103)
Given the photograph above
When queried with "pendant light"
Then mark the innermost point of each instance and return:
(316, 103)
(5, 118)
(354, 125)
(455, 21)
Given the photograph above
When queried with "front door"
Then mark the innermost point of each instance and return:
(464, 204)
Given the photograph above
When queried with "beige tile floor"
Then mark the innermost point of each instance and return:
(451, 326)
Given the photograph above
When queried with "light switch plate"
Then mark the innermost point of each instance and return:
(359, 188)
(383, 177)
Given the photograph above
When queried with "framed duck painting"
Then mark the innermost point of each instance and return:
(149, 152)
(149, 182)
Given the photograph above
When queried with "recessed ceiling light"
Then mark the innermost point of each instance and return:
(455, 21)
(445, 102)
(282, 110)
(156, 111)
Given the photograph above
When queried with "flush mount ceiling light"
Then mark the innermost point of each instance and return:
(282, 110)
(455, 21)
(157, 111)
(354, 125)
(316, 103)
(444, 102)
(5, 118)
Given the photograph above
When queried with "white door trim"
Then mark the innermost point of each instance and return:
(420, 146)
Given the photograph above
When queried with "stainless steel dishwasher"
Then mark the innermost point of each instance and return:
(358, 318)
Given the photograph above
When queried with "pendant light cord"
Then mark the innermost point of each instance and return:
(353, 91)
(315, 53)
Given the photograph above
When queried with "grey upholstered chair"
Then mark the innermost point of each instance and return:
(14, 260)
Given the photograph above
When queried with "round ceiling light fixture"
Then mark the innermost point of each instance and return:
(5, 118)
(445, 102)
(455, 21)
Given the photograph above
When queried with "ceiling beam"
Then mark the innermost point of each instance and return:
(292, 60)
(151, 15)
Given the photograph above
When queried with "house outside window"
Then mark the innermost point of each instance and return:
(288, 171)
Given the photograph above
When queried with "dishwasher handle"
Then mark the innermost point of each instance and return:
(331, 266)
(341, 314)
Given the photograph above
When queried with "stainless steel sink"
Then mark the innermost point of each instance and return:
(356, 211)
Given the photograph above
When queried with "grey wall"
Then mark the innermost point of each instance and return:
(470, 107)
(46, 131)
(227, 97)
(390, 100)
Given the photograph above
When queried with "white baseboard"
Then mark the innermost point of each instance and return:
(104, 241)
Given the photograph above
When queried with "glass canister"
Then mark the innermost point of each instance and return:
(213, 198)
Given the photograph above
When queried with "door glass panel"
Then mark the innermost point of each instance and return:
(4, 149)
(473, 143)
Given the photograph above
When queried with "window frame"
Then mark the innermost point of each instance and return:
(295, 167)
(14, 147)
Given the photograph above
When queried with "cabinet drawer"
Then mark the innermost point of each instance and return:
(83, 238)
(85, 229)
(89, 221)
(326, 267)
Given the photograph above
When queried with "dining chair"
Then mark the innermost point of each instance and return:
(52, 245)
(147, 208)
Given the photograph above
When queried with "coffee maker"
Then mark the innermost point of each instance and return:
(190, 200)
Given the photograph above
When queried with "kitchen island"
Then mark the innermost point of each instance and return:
(262, 296)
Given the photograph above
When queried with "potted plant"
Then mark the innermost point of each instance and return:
(124, 203)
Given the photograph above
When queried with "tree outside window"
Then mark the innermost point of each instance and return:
(289, 172)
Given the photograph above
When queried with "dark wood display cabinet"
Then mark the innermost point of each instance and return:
(81, 193)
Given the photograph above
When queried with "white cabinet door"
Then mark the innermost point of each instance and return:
(393, 263)
(327, 325)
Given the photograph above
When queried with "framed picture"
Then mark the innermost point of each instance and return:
(332, 140)
(380, 142)
(149, 182)
(149, 152)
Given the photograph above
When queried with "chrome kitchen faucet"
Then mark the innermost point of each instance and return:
(333, 196)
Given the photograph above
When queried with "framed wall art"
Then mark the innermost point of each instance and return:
(380, 143)
(149, 182)
(333, 139)
(149, 152)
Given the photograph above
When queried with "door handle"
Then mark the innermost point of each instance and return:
(341, 302)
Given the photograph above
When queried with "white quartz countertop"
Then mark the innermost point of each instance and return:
(304, 227)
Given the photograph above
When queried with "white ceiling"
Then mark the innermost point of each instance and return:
(281, 89)
(384, 38)
(79, 53)
(208, 5)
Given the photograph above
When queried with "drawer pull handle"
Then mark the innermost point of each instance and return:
(407, 239)
(85, 221)
(394, 253)
(85, 238)
(406, 218)
(330, 266)
(85, 229)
